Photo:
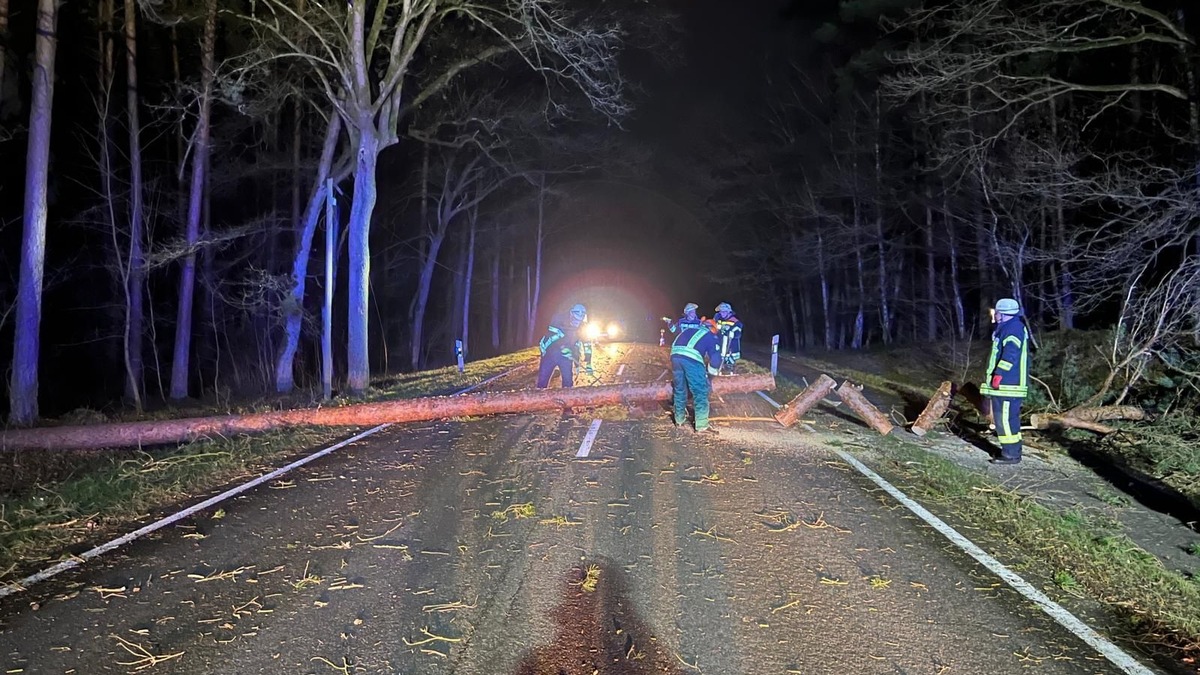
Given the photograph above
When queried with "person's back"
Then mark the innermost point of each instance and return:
(688, 353)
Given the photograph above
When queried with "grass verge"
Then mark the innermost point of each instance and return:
(58, 500)
(1157, 606)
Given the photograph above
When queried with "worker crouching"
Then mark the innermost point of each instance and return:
(688, 353)
(562, 347)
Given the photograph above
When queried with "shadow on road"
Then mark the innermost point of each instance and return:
(599, 631)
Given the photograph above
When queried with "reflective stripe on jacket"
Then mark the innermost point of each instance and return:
(695, 344)
(1009, 359)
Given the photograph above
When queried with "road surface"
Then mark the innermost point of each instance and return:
(489, 546)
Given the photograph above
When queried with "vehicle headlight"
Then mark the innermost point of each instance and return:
(614, 330)
(591, 331)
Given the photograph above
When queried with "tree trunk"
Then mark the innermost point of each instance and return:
(3, 44)
(537, 263)
(140, 434)
(358, 366)
(466, 304)
(496, 292)
(136, 281)
(424, 283)
(104, 138)
(960, 312)
(934, 410)
(824, 291)
(885, 307)
(931, 328)
(854, 399)
(794, 409)
(23, 387)
(792, 291)
(187, 277)
(294, 309)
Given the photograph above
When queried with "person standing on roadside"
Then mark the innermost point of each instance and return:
(1008, 378)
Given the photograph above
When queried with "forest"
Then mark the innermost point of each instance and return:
(881, 172)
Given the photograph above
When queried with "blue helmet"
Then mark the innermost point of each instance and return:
(578, 315)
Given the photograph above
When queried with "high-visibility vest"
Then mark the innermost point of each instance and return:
(689, 350)
(1014, 375)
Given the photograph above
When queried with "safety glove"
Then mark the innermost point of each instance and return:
(995, 381)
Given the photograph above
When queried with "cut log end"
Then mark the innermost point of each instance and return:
(790, 413)
(866, 411)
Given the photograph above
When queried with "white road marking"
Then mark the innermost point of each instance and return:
(78, 560)
(661, 375)
(586, 446)
(1119, 657)
(620, 370)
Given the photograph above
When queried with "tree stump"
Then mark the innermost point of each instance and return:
(791, 412)
(934, 410)
(863, 408)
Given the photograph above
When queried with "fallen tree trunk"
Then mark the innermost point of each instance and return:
(1089, 419)
(863, 408)
(934, 410)
(138, 434)
(791, 412)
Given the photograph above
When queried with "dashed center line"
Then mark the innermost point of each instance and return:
(586, 446)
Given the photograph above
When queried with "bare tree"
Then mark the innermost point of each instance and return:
(363, 56)
(23, 389)
(135, 277)
(200, 152)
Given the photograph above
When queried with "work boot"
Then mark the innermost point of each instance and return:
(708, 430)
(1005, 460)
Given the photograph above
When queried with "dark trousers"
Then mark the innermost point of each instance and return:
(552, 360)
(690, 376)
(1006, 414)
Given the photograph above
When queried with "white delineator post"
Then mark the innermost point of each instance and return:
(774, 355)
(327, 309)
(458, 352)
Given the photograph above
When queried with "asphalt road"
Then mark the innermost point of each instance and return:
(413, 552)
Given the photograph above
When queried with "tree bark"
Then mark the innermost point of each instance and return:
(136, 264)
(496, 291)
(3, 44)
(537, 263)
(934, 410)
(141, 434)
(187, 277)
(855, 400)
(885, 307)
(466, 304)
(23, 387)
(424, 283)
(294, 311)
(791, 413)
(821, 270)
(358, 366)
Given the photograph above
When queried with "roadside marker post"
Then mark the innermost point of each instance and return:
(458, 352)
(774, 355)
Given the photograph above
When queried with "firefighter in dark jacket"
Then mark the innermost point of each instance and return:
(730, 328)
(1008, 378)
(688, 320)
(562, 347)
(688, 353)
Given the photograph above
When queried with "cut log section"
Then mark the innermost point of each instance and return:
(863, 408)
(791, 412)
(934, 410)
(136, 434)
(1089, 419)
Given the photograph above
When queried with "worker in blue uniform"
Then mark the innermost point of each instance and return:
(562, 348)
(688, 353)
(1008, 378)
(688, 320)
(730, 328)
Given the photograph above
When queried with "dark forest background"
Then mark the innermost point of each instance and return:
(847, 174)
